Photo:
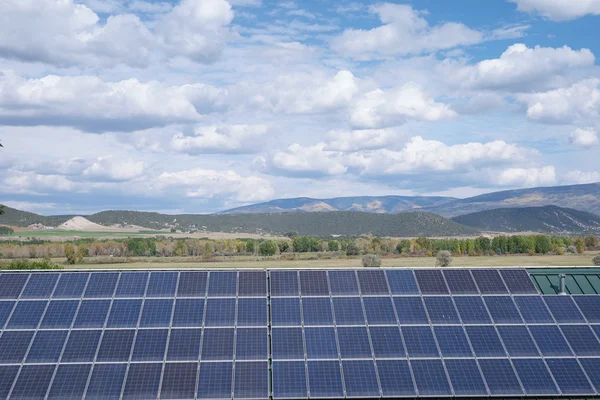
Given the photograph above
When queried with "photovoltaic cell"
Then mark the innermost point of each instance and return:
(13, 346)
(317, 311)
(533, 309)
(452, 341)
(5, 310)
(348, 311)
(33, 382)
(534, 376)
(101, 285)
(251, 344)
(286, 344)
(489, 281)
(402, 282)
(379, 310)
(549, 340)
(395, 378)
(387, 342)
(150, 345)
(563, 308)
(251, 380)
(582, 340)
(373, 282)
(410, 310)
(11, 285)
(431, 281)
(47, 346)
(8, 373)
(192, 284)
(124, 313)
(430, 378)
(472, 310)
(289, 380)
(590, 307)
(569, 376)
(441, 310)
(81, 346)
(222, 284)
(59, 314)
(517, 341)
(592, 367)
(343, 283)
(252, 283)
(465, 378)
(184, 345)
(460, 281)
(325, 379)
(132, 284)
(252, 312)
(188, 312)
(360, 378)
(92, 314)
(162, 284)
(500, 377)
(354, 342)
(215, 380)
(285, 312)
(314, 283)
(69, 382)
(27, 315)
(142, 381)
(40, 286)
(179, 381)
(503, 310)
(217, 344)
(485, 341)
(70, 285)
(518, 281)
(284, 283)
(419, 341)
(156, 313)
(116, 345)
(220, 312)
(106, 382)
(320, 343)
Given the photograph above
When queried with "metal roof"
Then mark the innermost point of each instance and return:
(578, 280)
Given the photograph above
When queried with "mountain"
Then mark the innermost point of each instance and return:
(14, 217)
(374, 204)
(546, 219)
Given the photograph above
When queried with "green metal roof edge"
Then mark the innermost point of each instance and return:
(582, 281)
(563, 270)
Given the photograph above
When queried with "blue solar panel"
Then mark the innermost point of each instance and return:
(582, 340)
(348, 311)
(569, 376)
(192, 284)
(142, 381)
(517, 341)
(564, 309)
(533, 309)
(452, 341)
(317, 311)
(590, 307)
(11, 285)
(287, 344)
(321, 343)
(162, 284)
(150, 345)
(534, 376)
(5, 310)
(314, 283)
(373, 282)
(379, 310)
(27, 315)
(217, 344)
(47, 346)
(325, 379)
(8, 373)
(70, 285)
(360, 378)
(252, 283)
(40, 286)
(106, 382)
(285, 312)
(156, 313)
(500, 377)
(387, 342)
(179, 381)
(550, 340)
(430, 378)
(441, 310)
(284, 283)
(431, 281)
(343, 283)
(289, 380)
(460, 281)
(592, 368)
(518, 281)
(252, 312)
(33, 382)
(101, 285)
(402, 282)
(13, 346)
(132, 284)
(251, 344)
(395, 378)
(215, 380)
(69, 382)
(222, 284)
(419, 341)
(410, 310)
(220, 312)
(188, 312)
(489, 281)
(354, 342)
(184, 345)
(81, 346)
(465, 378)
(251, 380)
(59, 314)
(92, 314)
(503, 310)
(116, 345)
(124, 313)
(472, 310)
(485, 341)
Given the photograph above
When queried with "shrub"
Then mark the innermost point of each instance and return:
(560, 251)
(27, 264)
(333, 245)
(267, 248)
(250, 246)
(5, 230)
(371, 261)
(352, 250)
(572, 249)
(443, 258)
(531, 252)
(596, 260)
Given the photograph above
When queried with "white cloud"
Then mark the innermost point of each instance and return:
(222, 139)
(580, 177)
(362, 139)
(508, 32)
(527, 177)
(111, 169)
(311, 161)
(584, 137)
(404, 32)
(560, 10)
(29, 206)
(29, 182)
(380, 108)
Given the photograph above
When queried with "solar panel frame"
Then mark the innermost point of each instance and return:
(518, 281)
(251, 380)
(589, 307)
(460, 281)
(500, 377)
(40, 286)
(489, 281)
(564, 309)
(106, 382)
(343, 283)
(533, 309)
(373, 282)
(321, 343)
(395, 378)
(314, 283)
(402, 282)
(431, 378)
(289, 380)
(535, 376)
(69, 382)
(360, 379)
(441, 310)
(431, 281)
(465, 377)
(252, 284)
(503, 310)
(179, 381)
(569, 376)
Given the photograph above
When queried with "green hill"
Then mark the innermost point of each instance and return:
(546, 219)
(14, 217)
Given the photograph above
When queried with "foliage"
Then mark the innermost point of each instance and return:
(250, 246)
(333, 245)
(596, 260)
(30, 264)
(141, 247)
(5, 230)
(74, 254)
(443, 258)
(304, 244)
(267, 248)
(371, 261)
(572, 249)
(352, 250)
(592, 241)
(580, 245)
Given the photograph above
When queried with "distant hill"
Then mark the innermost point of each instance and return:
(15, 217)
(546, 219)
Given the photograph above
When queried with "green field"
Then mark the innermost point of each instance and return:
(59, 233)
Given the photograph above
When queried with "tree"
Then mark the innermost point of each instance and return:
(443, 258)
(596, 260)
(352, 250)
(580, 245)
(267, 248)
(371, 261)
(74, 255)
(591, 241)
(333, 245)
(250, 246)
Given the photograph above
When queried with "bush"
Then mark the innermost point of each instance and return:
(371, 261)
(572, 249)
(560, 251)
(27, 264)
(352, 250)
(596, 260)
(443, 258)
(250, 246)
(333, 245)
(267, 248)
(5, 230)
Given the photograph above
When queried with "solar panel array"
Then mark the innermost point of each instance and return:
(293, 334)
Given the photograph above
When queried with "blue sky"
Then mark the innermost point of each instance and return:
(203, 105)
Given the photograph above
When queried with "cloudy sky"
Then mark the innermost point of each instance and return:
(203, 105)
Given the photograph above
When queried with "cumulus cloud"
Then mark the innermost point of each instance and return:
(361, 139)
(584, 137)
(380, 108)
(580, 177)
(559, 10)
(304, 161)
(111, 169)
(222, 139)
(527, 177)
(404, 31)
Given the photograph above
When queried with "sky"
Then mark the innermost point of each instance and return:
(198, 106)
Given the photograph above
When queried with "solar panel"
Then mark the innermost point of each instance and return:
(217, 344)
(188, 312)
(11, 285)
(472, 310)
(317, 311)
(116, 345)
(81, 346)
(360, 378)
(162, 284)
(70, 285)
(460, 281)
(33, 382)
(419, 341)
(592, 368)
(343, 283)
(59, 314)
(70, 381)
(320, 343)
(252, 283)
(47, 346)
(489, 281)
(354, 342)
(517, 341)
(569, 376)
(13, 346)
(284, 283)
(485, 341)
(101, 285)
(222, 284)
(40, 286)
(500, 377)
(142, 381)
(325, 379)
(348, 311)
(192, 284)
(314, 283)
(533, 309)
(251, 380)
(518, 281)
(251, 344)
(156, 313)
(179, 381)
(503, 310)
(6, 308)
(410, 310)
(106, 382)
(184, 345)
(430, 378)
(92, 314)
(124, 313)
(563, 309)
(534, 376)
(441, 310)
(452, 341)
(402, 282)
(379, 310)
(285, 312)
(590, 307)
(252, 312)
(289, 380)
(550, 340)
(465, 377)
(582, 340)
(287, 344)
(395, 378)
(150, 345)
(132, 284)
(373, 282)
(27, 315)
(431, 281)
(215, 380)
(387, 342)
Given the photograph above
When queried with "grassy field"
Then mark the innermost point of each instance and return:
(494, 261)
(41, 234)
